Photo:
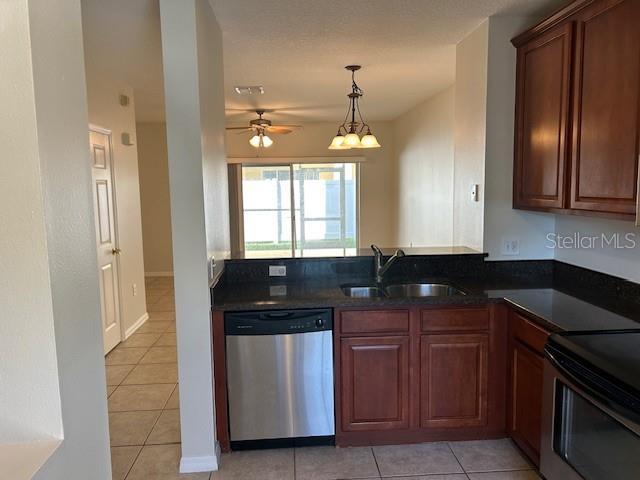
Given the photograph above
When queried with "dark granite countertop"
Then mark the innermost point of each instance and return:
(554, 309)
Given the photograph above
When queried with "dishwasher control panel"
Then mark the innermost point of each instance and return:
(278, 322)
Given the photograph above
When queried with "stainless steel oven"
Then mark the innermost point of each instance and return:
(591, 426)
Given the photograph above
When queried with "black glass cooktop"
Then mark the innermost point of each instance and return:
(613, 355)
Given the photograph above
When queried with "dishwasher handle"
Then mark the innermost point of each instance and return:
(278, 322)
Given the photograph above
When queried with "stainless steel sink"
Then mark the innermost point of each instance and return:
(412, 290)
(362, 291)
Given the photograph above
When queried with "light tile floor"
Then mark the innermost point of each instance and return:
(144, 425)
(142, 385)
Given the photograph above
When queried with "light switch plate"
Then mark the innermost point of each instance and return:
(277, 271)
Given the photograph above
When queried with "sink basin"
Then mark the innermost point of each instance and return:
(362, 291)
(413, 290)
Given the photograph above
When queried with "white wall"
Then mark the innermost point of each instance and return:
(105, 111)
(29, 397)
(470, 137)
(424, 152)
(154, 197)
(378, 174)
(501, 221)
(61, 114)
(212, 117)
(193, 93)
(621, 262)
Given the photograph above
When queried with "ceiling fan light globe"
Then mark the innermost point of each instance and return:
(351, 140)
(369, 141)
(266, 141)
(255, 141)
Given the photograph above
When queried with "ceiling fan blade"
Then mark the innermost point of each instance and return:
(238, 128)
(278, 130)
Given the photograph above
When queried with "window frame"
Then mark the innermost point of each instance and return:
(292, 200)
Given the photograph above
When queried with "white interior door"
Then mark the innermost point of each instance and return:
(104, 208)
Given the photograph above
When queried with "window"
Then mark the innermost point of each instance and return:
(316, 201)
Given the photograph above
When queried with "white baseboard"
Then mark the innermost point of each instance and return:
(158, 274)
(209, 463)
(132, 329)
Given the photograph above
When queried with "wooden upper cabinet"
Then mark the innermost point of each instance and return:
(578, 110)
(374, 383)
(454, 380)
(542, 118)
(606, 107)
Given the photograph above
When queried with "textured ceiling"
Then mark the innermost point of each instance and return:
(297, 49)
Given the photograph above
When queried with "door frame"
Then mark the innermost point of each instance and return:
(105, 131)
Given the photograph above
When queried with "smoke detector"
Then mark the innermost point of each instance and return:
(249, 90)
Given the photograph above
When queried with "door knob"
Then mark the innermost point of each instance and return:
(116, 251)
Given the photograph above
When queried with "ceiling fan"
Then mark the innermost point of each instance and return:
(261, 128)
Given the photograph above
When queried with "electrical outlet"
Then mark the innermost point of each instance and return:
(511, 246)
(134, 289)
(277, 290)
(277, 271)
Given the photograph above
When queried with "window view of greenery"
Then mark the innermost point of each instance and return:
(323, 205)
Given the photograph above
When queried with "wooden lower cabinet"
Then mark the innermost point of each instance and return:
(374, 376)
(454, 380)
(419, 374)
(526, 399)
(526, 365)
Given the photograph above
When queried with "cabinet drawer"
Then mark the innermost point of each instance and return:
(374, 321)
(454, 320)
(528, 333)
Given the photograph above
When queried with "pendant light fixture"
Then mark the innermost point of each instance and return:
(349, 132)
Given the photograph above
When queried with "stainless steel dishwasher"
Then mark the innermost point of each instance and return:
(280, 375)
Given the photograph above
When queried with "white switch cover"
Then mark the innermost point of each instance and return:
(277, 271)
(134, 289)
(475, 192)
(510, 246)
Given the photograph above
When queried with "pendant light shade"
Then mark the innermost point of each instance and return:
(338, 143)
(353, 126)
(351, 140)
(369, 141)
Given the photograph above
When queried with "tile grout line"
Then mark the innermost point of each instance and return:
(373, 453)
(464, 471)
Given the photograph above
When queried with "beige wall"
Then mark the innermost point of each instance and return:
(154, 197)
(378, 174)
(424, 153)
(470, 137)
(105, 111)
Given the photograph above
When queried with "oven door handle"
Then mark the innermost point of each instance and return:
(612, 406)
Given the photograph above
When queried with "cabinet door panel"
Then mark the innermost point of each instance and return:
(542, 106)
(454, 380)
(606, 108)
(526, 399)
(374, 385)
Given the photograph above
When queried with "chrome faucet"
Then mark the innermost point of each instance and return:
(380, 266)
